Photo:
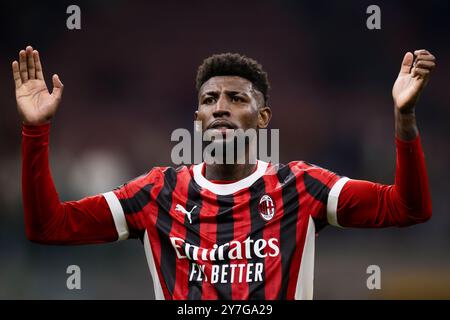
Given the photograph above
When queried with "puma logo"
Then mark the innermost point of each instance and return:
(179, 207)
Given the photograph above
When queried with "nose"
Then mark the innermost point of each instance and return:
(222, 108)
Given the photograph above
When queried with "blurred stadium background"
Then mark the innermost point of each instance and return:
(129, 81)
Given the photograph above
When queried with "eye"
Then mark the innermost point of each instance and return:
(209, 100)
(236, 99)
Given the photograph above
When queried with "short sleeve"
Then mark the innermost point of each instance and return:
(130, 205)
(322, 188)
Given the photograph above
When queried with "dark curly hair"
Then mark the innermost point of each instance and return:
(233, 64)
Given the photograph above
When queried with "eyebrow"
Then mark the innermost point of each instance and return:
(229, 92)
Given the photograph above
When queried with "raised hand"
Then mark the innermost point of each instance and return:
(36, 105)
(411, 80)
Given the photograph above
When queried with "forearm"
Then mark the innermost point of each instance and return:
(47, 220)
(405, 125)
(408, 201)
(411, 180)
(40, 199)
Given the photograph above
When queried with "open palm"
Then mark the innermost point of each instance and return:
(35, 103)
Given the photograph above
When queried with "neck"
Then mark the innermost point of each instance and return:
(242, 166)
(228, 172)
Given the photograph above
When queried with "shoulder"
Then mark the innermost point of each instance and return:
(310, 168)
(301, 169)
(156, 176)
(161, 173)
(294, 167)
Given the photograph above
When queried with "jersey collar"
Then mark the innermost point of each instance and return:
(228, 188)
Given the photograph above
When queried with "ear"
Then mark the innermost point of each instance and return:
(195, 115)
(264, 116)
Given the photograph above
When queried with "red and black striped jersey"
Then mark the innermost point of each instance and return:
(250, 239)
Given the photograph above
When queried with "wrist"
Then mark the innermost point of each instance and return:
(33, 120)
(405, 109)
(35, 130)
(405, 125)
(35, 123)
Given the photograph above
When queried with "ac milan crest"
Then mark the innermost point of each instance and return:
(266, 207)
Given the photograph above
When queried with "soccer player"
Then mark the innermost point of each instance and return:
(215, 231)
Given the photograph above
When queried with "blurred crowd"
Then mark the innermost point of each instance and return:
(129, 77)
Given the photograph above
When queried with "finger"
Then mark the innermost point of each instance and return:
(16, 74)
(421, 51)
(424, 54)
(421, 73)
(37, 63)
(424, 64)
(407, 63)
(23, 65)
(30, 63)
(58, 87)
(428, 57)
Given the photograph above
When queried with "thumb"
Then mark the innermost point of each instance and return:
(407, 63)
(58, 87)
